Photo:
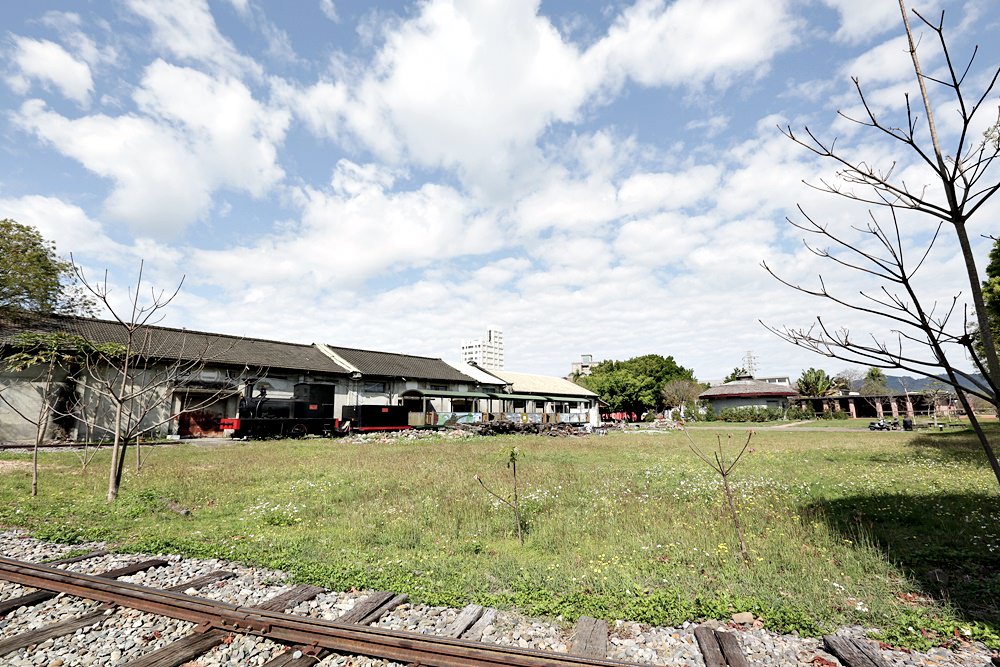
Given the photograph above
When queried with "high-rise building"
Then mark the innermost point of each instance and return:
(582, 367)
(486, 352)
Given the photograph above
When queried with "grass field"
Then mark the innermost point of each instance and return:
(899, 531)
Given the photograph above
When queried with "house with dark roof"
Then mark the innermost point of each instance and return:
(746, 392)
(202, 378)
(532, 394)
(190, 379)
(423, 384)
(199, 381)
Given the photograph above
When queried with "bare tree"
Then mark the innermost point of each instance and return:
(927, 337)
(51, 354)
(677, 393)
(135, 377)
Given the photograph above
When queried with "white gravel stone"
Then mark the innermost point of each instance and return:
(125, 634)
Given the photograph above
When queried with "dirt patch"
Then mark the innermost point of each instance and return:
(12, 466)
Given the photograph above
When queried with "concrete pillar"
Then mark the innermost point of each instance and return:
(909, 407)
(851, 408)
(895, 406)
(879, 412)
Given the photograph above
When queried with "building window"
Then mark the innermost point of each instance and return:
(439, 387)
(375, 387)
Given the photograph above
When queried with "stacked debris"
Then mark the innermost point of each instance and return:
(507, 428)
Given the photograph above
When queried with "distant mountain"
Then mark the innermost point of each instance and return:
(902, 383)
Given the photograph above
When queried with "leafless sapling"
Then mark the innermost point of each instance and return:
(926, 337)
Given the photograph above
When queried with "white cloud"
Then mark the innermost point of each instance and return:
(198, 134)
(695, 42)
(49, 64)
(664, 240)
(68, 25)
(861, 20)
(646, 191)
(712, 125)
(66, 224)
(329, 10)
(472, 86)
(360, 230)
(469, 84)
(889, 62)
(187, 29)
(233, 135)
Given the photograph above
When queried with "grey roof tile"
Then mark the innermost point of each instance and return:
(179, 344)
(390, 364)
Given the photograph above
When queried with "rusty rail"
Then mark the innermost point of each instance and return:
(315, 634)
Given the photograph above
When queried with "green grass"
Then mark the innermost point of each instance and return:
(889, 530)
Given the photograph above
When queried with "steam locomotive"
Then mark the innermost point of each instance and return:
(310, 411)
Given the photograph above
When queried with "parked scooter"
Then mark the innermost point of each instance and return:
(883, 425)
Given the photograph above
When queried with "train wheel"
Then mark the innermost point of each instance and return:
(298, 430)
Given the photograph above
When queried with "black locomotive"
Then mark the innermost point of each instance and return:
(310, 411)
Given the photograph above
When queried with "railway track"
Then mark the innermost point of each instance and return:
(308, 640)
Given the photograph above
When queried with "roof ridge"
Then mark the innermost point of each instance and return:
(398, 354)
(184, 330)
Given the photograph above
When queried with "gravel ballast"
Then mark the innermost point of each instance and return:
(125, 634)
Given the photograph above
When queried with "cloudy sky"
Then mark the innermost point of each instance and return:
(595, 178)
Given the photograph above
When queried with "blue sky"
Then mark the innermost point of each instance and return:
(594, 178)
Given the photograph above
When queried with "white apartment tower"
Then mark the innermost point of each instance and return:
(486, 352)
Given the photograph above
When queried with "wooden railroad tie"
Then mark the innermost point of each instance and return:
(190, 647)
(310, 639)
(31, 599)
(590, 638)
(372, 608)
(71, 625)
(720, 649)
(854, 652)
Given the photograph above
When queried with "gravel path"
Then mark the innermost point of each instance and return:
(124, 634)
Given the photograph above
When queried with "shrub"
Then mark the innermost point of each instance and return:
(797, 414)
(751, 414)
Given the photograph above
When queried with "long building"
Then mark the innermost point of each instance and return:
(188, 383)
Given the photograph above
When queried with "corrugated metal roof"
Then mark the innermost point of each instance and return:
(527, 383)
(739, 388)
(178, 344)
(390, 364)
(441, 393)
(482, 376)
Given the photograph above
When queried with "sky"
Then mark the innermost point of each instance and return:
(595, 178)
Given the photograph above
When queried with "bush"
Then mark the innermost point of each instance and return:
(751, 414)
(798, 414)
(830, 414)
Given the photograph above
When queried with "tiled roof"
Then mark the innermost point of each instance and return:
(527, 383)
(741, 388)
(390, 364)
(179, 344)
(478, 374)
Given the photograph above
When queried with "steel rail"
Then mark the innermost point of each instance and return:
(404, 647)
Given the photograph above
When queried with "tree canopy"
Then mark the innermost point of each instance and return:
(991, 297)
(875, 383)
(32, 277)
(816, 382)
(634, 384)
(737, 373)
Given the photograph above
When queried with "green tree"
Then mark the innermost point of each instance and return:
(991, 298)
(737, 373)
(875, 383)
(32, 277)
(635, 384)
(815, 382)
